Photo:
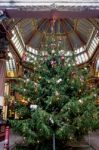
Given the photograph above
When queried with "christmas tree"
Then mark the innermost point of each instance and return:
(60, 104)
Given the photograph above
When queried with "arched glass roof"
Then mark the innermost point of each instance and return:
(71, 25)
(30, 37)
(77, 36)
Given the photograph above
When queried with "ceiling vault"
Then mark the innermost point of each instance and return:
(63, 24)
(76, 32)
(44, 35)
(34, 31)
(94, 23)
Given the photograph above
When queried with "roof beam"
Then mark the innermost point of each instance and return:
(15, 52)
(43, 36)
(76, 32)
(16, 23)
(94, 23)
(92, 58)
(63, 24)
(13, 23)
(34, 31)
(95, 54)
(13, 49)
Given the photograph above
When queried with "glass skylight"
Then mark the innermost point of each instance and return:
(94, 43)
(17, 42)
(79, 50)
(10, 66)
(36, 46)
(81, 56)
(32, 50)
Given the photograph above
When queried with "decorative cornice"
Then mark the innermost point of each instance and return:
(49, 5)
(48, 9)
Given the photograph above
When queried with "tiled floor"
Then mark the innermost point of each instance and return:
(13, 139)
(92, 139)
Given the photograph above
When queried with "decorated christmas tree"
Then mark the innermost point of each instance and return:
(59, 102)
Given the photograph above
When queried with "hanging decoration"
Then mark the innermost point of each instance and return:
(53, 63)
(33, 106)
(58, 81)
(62, 59)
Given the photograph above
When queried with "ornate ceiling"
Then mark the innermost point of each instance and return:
(29, 37)
(78, 36)
(72, 25)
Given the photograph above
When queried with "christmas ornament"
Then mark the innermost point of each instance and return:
(38, 141)
(28, 99)
(81, 78)
(62, 59)
(24, 90)
(35, 84)
(39, 77)
(80, 101)
(80, 90)
(33, 106)
(95, 95)
(53, 51)
(53, 63)
(27, 80)
(51, 120)
(48, 81)
(58, 81)
(85, 68)
(57, 93)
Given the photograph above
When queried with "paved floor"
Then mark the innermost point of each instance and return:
(13, 139)
(92, 139)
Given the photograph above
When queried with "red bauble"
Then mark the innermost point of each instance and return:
(62, 59)
(53, 63)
